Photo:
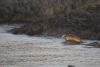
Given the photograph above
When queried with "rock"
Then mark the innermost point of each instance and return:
(71, 66)
(94, 44)
(31, 29)
(17, 31)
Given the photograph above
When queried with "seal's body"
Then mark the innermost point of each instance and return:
(70, 37)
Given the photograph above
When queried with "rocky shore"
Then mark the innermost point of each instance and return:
(54, 17)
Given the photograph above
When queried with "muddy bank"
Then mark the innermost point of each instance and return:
(15, 11)
(53, 17)
(84, 25)
(35, 10)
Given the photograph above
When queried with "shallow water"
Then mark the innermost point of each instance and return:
(25, 51)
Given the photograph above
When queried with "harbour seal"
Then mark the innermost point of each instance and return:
(72, 38)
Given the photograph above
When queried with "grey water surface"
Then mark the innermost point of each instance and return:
(26, 51)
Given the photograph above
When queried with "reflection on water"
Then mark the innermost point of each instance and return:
(25, 51)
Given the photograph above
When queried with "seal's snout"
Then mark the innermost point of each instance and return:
(63, 36)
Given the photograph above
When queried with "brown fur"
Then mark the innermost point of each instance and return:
(70, 37)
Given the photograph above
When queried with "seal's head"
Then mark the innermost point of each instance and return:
(64, 36)
(67, 35)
